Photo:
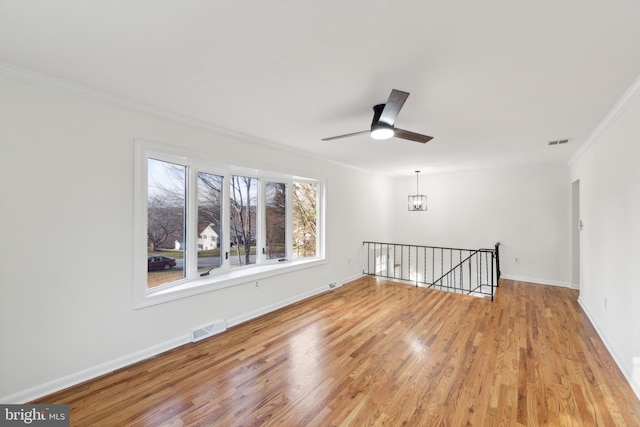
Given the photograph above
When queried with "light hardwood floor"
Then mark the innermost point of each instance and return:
(375, 352)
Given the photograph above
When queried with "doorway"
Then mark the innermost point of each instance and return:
(575, 234)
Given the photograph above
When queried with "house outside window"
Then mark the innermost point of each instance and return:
(166, 217)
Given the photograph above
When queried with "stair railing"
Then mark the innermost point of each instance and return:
(469, 271)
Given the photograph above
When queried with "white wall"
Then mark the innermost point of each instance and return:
(527, 210)
(66, 168)
(66, 221)
(610, 240)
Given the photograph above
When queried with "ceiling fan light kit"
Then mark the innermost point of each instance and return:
(381, 131)
(384, 118)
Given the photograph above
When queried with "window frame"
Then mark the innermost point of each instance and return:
(258, 232)
(225, 276)
(263, 217)
(194, 260)
(319, 208)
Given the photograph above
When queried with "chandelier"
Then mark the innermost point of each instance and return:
(417, 202)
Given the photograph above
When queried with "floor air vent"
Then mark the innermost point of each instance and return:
(208, 330)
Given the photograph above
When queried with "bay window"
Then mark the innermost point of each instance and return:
(202, 225)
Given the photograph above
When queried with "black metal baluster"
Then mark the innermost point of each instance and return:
(434, 267)
(492, 281)
(386, 261)
(417, 265)
(453, 280)
(424, 265)
(484, 259)
(368, 258)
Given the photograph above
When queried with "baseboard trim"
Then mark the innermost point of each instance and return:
(93, 372)
(62, 383)
(352, 278)
(234, 321)
(537, 281)
(635, 387)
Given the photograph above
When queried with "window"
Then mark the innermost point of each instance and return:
(305, 215)
(276, 220)
(202, 225)
(209, 221)
(165, 220)
(243, 203)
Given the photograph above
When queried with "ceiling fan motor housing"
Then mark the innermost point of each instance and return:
(377, 111)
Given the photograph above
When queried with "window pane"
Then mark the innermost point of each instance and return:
(165, 222)
(276, 220)
(243, 200)
(209, 221)
(305, 196)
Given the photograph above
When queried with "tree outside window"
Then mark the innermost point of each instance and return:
(209, 223)
(305, 199)
(166, 220)
(276, 220)
(243, 206)
(193, 227)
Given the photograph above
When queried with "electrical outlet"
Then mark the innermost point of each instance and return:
(605, 303)
(256, 284)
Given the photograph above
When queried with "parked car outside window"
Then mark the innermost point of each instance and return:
(160, 263)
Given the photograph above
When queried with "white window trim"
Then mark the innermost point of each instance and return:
(262, 217)
(226, 276)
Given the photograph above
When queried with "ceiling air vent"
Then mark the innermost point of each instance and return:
(559, 142)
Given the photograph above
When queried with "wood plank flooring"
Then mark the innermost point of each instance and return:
(375, 352)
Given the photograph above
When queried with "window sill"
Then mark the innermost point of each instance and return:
(215, 281)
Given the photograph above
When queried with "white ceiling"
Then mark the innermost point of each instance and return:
(492, 81)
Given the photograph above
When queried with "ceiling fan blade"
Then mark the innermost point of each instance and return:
(412, 136)
(393, 106)
(345, 136)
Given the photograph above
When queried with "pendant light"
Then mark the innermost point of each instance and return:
(417, 202)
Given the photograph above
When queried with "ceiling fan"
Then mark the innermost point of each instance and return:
(384, 117)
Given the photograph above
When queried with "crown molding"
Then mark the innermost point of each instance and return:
(30, 76)
(98, 95)
(625, 101)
